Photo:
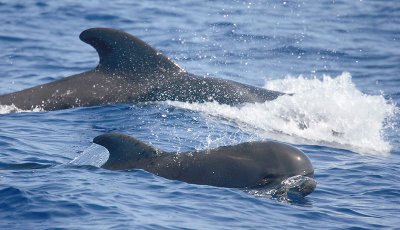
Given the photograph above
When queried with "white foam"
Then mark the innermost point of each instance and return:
(4, 109)
(331, 112)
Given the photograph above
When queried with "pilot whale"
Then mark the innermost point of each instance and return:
(131, 71)
(246, 165)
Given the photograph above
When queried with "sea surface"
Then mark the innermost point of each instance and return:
(339, 59)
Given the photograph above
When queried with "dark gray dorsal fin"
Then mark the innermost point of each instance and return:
(124, 150)
(121, 52)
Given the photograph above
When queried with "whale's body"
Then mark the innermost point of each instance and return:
(246, 165)
(131, 71)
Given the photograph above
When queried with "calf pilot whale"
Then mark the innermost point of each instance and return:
(131, 71)
(246, 165)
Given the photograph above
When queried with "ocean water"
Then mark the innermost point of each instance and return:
(340, 60)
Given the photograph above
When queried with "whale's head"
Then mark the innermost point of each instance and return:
(289, 161)
(281, 162)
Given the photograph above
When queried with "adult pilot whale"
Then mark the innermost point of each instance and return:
(246, 165)
(131, 71)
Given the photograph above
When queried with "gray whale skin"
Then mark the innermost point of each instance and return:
(246, 165)
(131, 71)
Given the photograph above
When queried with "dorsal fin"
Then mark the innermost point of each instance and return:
(121, 52)
(124, 150)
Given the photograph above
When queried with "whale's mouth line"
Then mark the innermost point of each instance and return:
(286, 190)
(271, 181)
(310, 175)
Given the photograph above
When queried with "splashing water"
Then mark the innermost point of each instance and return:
(4, 109)
(95, 155)
(331, 111)
(290, 189)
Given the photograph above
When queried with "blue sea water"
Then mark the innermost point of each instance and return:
(340, 59)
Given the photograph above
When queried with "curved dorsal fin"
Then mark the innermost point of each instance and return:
(121, 52)
(124, 150)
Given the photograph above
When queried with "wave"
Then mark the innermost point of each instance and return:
(330, 111)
